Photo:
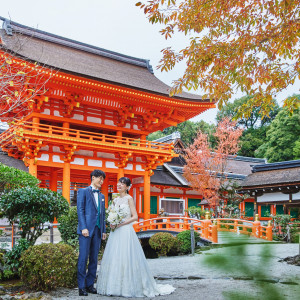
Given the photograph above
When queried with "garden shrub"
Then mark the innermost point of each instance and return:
(12, 257)
(49, 266)
(184, 239)
(162, 242)
(9, 260)
(68, 227)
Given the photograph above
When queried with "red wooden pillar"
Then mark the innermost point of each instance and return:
(146, 196)
(104, 190)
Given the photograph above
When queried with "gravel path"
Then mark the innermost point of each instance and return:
(194, 279)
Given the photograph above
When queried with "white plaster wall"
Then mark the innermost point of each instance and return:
(77, 117)
(56, 113)
(273, 197)
(139, 168)
(94, 120)
(56, 158)
(44, 157)
(129, 167)
(78, 161)
(109, 122)
(94, 163)
(110, 164)
(46, 111)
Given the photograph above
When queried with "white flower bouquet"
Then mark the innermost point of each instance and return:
(116, 214)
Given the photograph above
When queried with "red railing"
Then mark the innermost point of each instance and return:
(33, 130)
(254, 229)
(205, 227)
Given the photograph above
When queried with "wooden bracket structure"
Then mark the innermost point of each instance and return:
(69, 151)
(123, 158)
(71, 100)
(125, 112)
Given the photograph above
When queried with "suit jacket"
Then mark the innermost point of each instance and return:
(87, 211)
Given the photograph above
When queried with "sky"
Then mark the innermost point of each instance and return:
(116, 25)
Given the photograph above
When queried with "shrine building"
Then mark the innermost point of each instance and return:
(93, 110)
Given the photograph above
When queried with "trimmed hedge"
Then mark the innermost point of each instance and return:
(163, 243)
(49, 266)
(184, 239)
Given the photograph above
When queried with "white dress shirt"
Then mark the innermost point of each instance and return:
(96, 195)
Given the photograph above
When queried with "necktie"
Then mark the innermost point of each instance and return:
(98, 208)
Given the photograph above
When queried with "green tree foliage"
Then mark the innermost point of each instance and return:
(155, 135)
(31, 207)
(68, 227)
(255, 125)
(12, 178)
(256, 119)
(296, 150)
(283, 136)
(233, 260)
(251, 140)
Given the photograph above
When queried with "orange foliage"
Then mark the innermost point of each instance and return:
(252, 46)
(205, 168)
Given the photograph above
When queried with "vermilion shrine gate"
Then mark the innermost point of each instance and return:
(96, 111)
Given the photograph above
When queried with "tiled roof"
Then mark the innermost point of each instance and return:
(12, 162)
(169, 138)
(276, 166)
(272, 177)
(84, 60)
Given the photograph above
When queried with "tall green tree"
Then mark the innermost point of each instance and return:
(255, 119)
(255, 125)
(282, 138)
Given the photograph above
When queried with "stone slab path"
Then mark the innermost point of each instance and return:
(194, 279)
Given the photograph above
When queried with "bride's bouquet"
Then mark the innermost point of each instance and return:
(116, 214)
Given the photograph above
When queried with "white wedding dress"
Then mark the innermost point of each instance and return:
(124, 270)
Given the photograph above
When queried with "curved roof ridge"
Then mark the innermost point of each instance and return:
(11, 27)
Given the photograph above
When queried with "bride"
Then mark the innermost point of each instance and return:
(124, 270)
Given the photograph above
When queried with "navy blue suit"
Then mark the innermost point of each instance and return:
(89, 247)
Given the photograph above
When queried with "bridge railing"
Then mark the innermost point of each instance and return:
(246, 227)
(205, 228)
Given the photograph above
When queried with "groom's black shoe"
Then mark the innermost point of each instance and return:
(91, 290)
(82, 292)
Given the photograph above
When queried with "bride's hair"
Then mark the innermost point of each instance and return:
(127, 181)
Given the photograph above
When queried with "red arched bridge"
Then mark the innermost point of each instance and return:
(207, 228)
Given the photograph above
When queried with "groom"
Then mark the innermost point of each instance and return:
(91, 228)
